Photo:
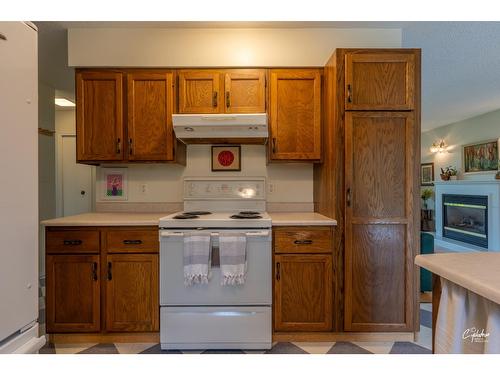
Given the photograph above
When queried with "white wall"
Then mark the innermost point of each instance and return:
(218, 47)
(455, 135)
(292, 182)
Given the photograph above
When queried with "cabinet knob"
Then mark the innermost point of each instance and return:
(228, 99)
(214, 99)
(130, 146)
(72, 242)
(348, 197)
(303, 242)
(132, 242)
(349, 94)
(94, 271)
(118, 146)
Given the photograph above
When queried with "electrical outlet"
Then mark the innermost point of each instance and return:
(272, 188)
(144, 188)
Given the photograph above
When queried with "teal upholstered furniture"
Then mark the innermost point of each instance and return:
(426, 247)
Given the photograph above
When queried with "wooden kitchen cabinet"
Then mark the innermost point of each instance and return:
(380, 175)
(222, 91)
(99, 116)
(303, 292)
(144, 98)
(132, 285)
(73, 297)
(295, 115)
(102, 279)
(150, 107)
(379, 81)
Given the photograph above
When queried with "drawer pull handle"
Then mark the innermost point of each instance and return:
(110, 274)
(72, 242)
(132, 242)
(94, 271)
(303, 242)
(278, 273)
(349, 94)
(214, 99)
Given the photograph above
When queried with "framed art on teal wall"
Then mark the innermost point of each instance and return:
(480, 157)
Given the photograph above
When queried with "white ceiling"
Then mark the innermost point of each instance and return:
(460, 60)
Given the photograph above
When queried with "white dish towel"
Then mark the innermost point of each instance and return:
(196, 258)
(233, 258)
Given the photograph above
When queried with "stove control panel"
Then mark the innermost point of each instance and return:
(247, 189)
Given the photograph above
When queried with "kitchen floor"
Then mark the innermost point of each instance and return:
(422, 346)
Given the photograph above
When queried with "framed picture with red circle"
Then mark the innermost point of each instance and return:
(226, 158)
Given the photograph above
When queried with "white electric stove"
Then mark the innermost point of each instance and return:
(211, 316)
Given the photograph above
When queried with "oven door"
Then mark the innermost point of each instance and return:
(257, 289)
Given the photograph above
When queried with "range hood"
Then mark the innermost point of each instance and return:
(221, 128)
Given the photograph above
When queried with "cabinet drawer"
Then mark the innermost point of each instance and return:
(72, 241)
(132, 241)
(302, 240)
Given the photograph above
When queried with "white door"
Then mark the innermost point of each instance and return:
(77, 192)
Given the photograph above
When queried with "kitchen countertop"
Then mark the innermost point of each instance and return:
(150, 218)
(300, 218)
(477, 272)
(107, 219)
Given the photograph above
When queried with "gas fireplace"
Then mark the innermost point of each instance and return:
(465, 218)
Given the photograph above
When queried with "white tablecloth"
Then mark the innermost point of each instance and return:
(466, 322)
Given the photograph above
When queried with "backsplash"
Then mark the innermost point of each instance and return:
(159, 186)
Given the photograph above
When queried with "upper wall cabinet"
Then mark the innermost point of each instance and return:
(222, 91)
(150, 105)
(146, 135)
(379, 81)
(99, 116)
(295, 115)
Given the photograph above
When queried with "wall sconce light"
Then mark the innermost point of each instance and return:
(438, 147)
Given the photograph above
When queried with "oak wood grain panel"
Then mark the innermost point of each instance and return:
(303, 293)
(72, 241)
(245, 91)
(295, 114)
(99, 116)
(377, 278)
(132, 241)
(72, 293)
(132, 302)
(380, 81)
(197, 89)
(150, 107)
(302, 240)
(378, 163)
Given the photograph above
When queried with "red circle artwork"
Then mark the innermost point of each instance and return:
(225, 158)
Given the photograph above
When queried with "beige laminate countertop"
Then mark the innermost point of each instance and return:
(135, 218)
(478, 272)
(107, 219)
(300, 218)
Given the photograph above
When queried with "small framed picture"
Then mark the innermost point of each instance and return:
(226, 158)
(480, 157)
(427, 174)
(114, 184)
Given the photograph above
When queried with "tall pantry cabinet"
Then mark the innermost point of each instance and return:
(369, 181)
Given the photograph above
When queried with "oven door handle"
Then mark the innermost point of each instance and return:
(262, 233)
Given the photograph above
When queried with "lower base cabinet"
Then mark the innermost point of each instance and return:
(303, 279)
(104, 283)
(72, 290)
(132, 293)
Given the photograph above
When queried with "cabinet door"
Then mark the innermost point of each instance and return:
(380, 230)
(199, 91)
(245, 91)
(150, 105)
(303, 293)
(380, 81)
(132, 303)
(73, 293)
(99, 116)
(295, 114)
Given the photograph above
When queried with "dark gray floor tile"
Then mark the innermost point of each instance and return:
(101, 349)
(344, 347)
(406, 347)
(223, 351)
(48, 348)
(426, 318)
(157, 350)
(285, 348)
